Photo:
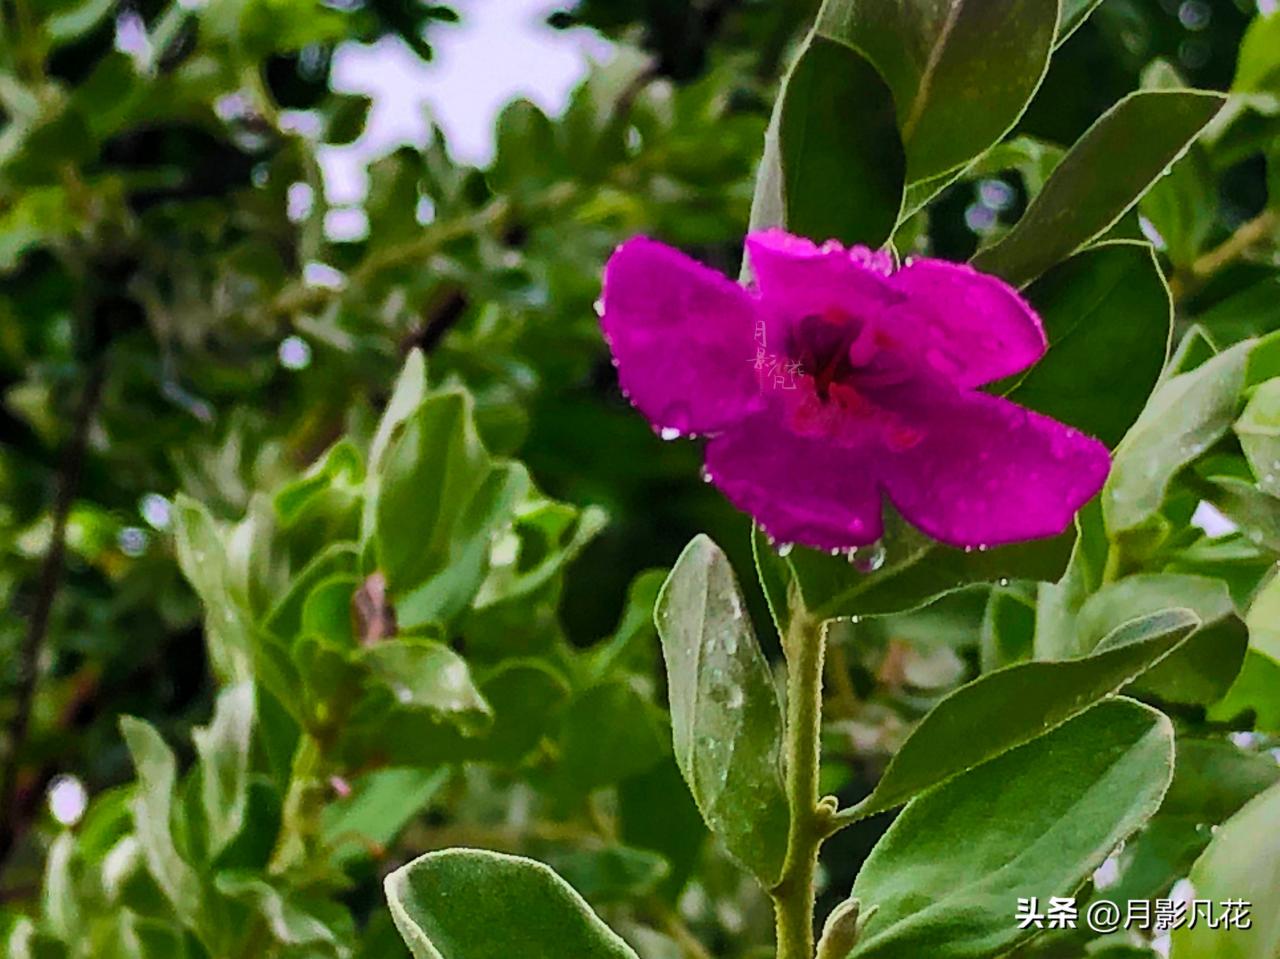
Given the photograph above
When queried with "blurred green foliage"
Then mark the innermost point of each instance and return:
(319, 554)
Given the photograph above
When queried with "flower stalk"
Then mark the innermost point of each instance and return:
(795, 895)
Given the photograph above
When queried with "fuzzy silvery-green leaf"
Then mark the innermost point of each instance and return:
(726, 717)
(1205, 667)
(1241, 863)
(1186, 415)
(471, 904)
(1005, 709)
(1134, 142)
(945, 880)
(1259, 431)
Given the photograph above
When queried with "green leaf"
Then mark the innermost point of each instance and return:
(1186, 415)
(1037, 821)
(1258, 68)
(609, 733)
(726, 717)
(153, 818)
(961, 73)
(380, 805)
(1204, 669)
(611, 873)
(915, 570)
(1259, 431)
(437, 491)
(1256, 690)
(1108, 317)
(406, 396)
(1100, 179)
(289, 921)
(429, 676)
(223, 747)
(843, 167)
(445, 907)
(1183, 207)
(1008, 708)
(1242, 862)
(1074, 14)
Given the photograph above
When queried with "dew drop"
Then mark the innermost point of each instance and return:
(868, 559)
(669, 433)
(706, 475)
(735, 698)
(598, 306)
(784, 549)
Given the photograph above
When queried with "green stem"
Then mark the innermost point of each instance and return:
(795, 894)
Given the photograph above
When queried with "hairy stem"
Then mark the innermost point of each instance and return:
(795, 894)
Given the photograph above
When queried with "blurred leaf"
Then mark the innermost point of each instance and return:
(725, 715)
(444, 906)
(1101, 178)
(611, 873)
(223, 748)
(381, 804)
(152, 815)
(609, 733)
(1258, 68)
(1035, 822)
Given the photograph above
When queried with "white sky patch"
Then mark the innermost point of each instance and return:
(499, 52)
(1210, 519)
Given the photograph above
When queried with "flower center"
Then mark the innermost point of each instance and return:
(830, 349)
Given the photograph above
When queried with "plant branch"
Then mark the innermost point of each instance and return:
(1232, 250)
(48, 584)
(795, 894)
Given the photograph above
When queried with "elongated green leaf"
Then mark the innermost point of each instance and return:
(1184, 417)
(1100, 179)
(1259, 432)
(1205, 667)
(961, 72)
(725, 716)
(1009, 707)
(1036, 822)
(469, 904)
(1108, 317)
(152, 816)
(1241, 863)
(223, 748)
(289, 922)
(842, 162)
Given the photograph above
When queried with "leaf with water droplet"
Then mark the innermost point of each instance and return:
(725, 714)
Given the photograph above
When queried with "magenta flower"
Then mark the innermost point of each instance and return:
(838, 379)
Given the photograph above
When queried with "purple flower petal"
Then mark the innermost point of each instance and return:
(800, 489)
(682, 336)
(976, 470)
(970, 327)
(798, 278)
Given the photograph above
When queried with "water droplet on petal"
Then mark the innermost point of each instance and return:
(785, 549)
(669, 433)
(868, 559)
(706, 475)
(598, 306)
